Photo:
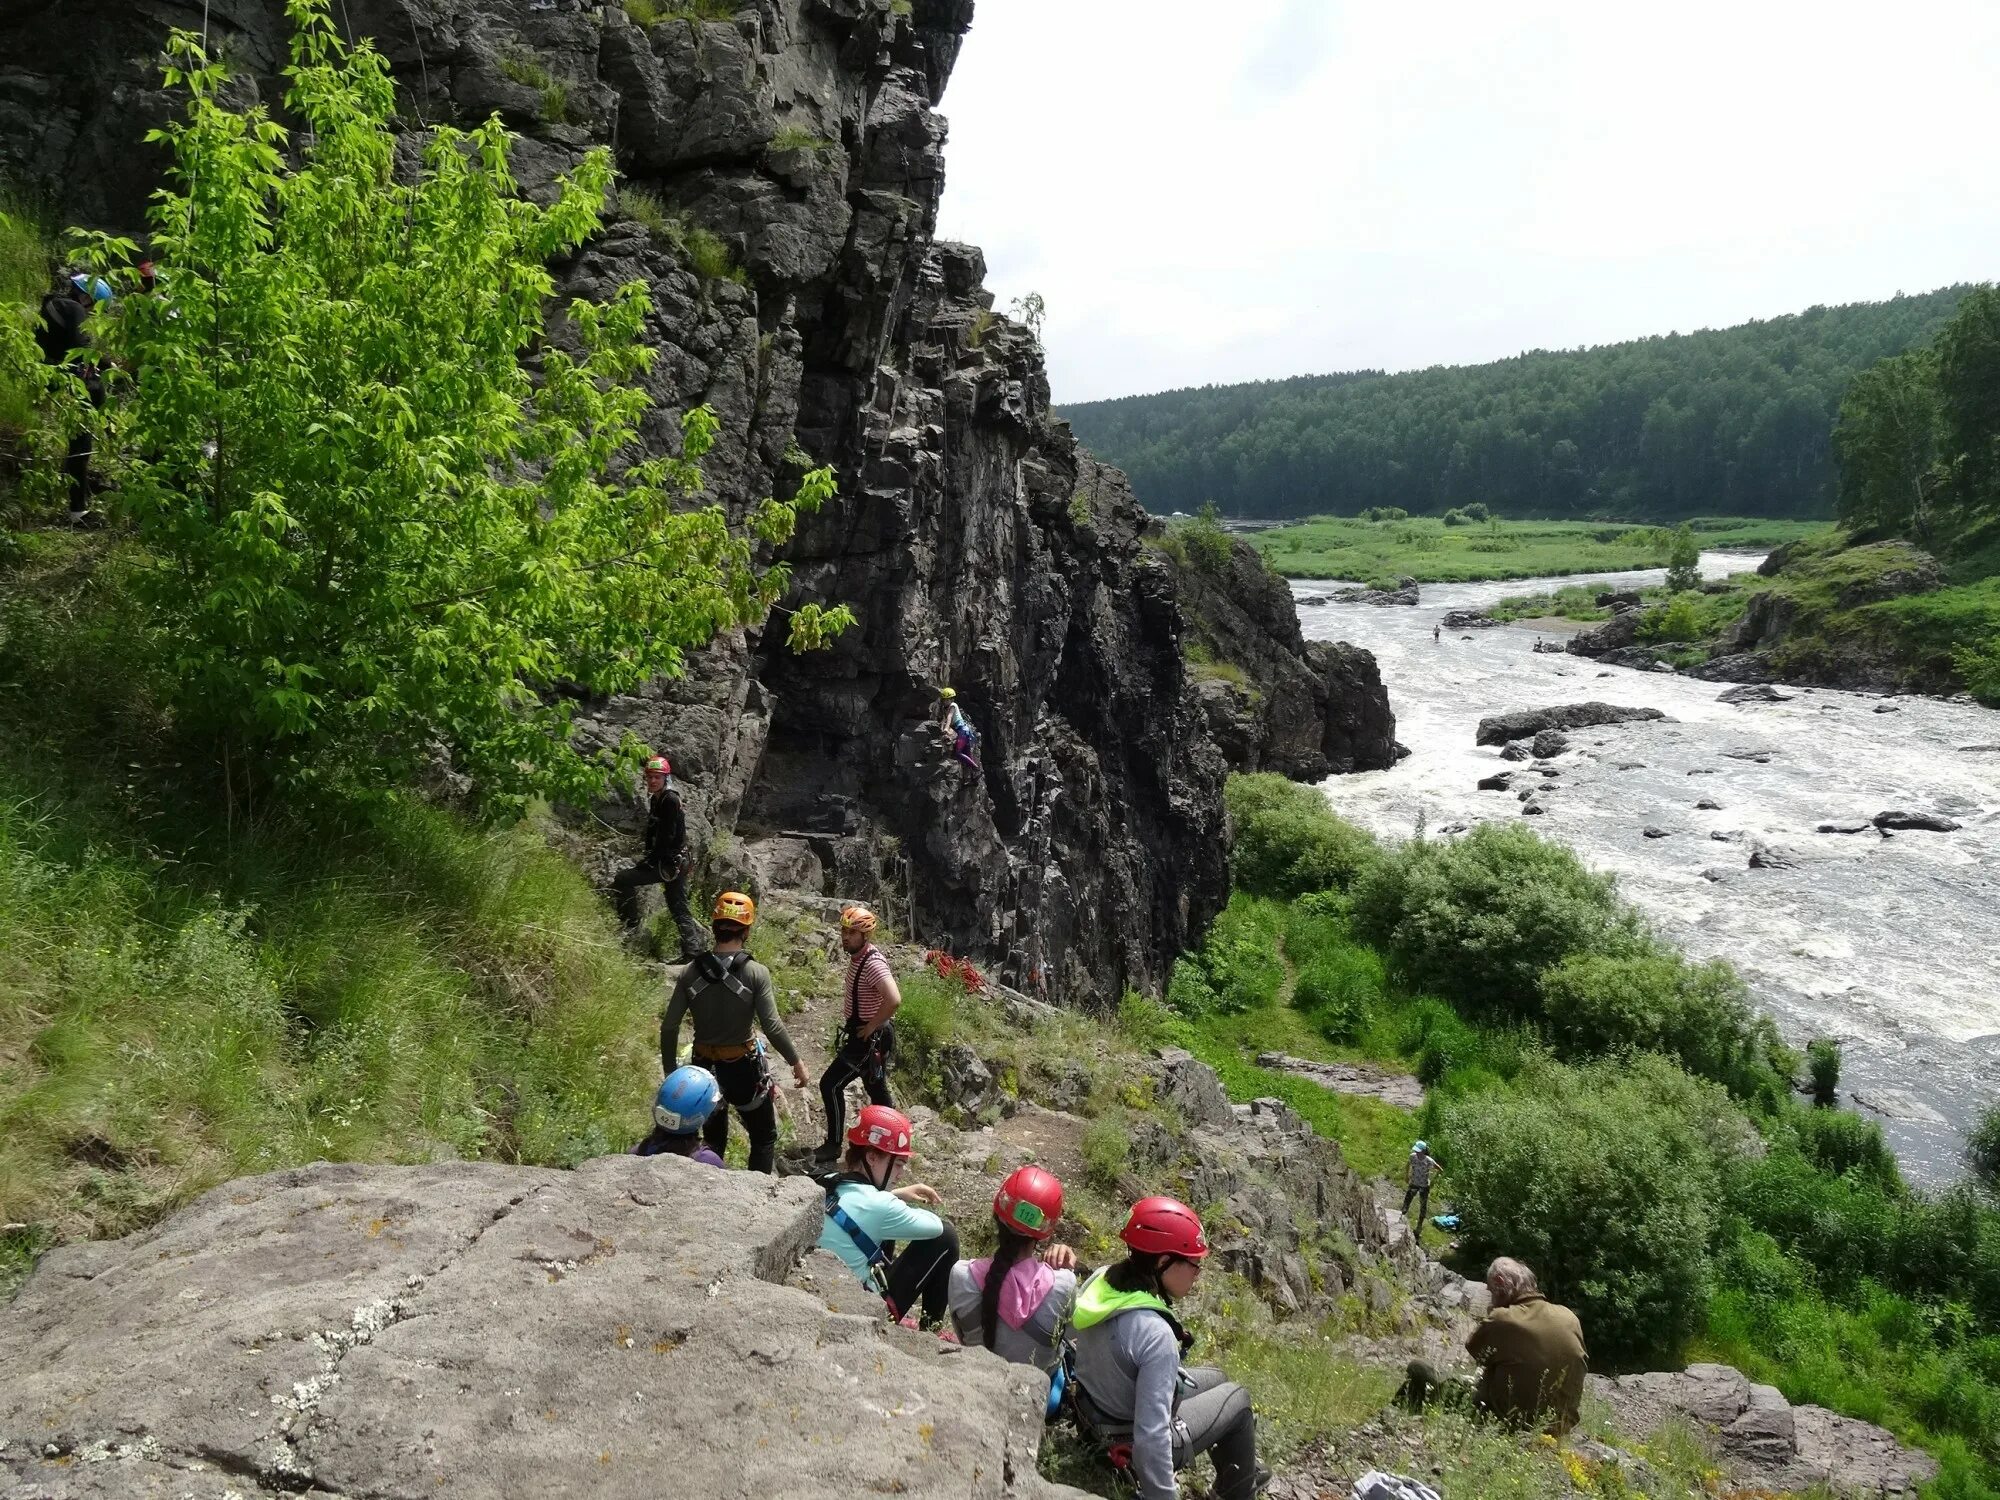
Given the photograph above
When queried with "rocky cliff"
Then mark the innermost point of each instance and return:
(791, 162)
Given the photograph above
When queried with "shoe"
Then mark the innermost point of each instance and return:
(909, 1321)
(947, 1334)
(826, 1156)
(1262, 1482)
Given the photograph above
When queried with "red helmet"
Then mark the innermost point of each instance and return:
(1164, 1226)
(881, 1128)
(659, 765)
(1029, 1202)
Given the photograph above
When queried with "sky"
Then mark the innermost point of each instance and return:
(1245, 189)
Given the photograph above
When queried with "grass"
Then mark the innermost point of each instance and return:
(652, 12)
(797, 138)
(183, 1001)
(531, 72)
(1426, 549)
(707, 252)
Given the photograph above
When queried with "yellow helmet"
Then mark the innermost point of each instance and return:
(734, 906)
(857, 919)
(947, 693)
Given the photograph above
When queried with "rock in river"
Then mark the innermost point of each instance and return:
(1528, 722)
(1845, 825)
(1549, 742)
(1757, 692)
(1928, 822)
(1497, 782)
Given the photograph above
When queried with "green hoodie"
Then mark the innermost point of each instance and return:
(1099, 1300)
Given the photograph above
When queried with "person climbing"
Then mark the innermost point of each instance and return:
(1132, 1390)
(964, 738)
(1417, 1173)
(64, 343)
(867, 1214)
(680, 1109)
(664, 859)
(1017, 1300)
(728, 993)
(867, 1040)
(1531, 1357)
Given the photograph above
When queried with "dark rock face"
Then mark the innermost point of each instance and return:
(1753, 693)
(1274, 700)
(1499, 729)
(1405, 592)
(1923, 821)
(979, 545)
(1615, 634)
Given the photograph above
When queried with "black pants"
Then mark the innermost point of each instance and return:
(922, 1273)
(1423, 1197)
(746, 1084)
(76, 463)
(628, 882)
(867, 1060)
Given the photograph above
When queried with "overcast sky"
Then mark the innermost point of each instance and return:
(1237, 189)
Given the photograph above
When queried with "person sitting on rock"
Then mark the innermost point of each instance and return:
(1418, 1172)
(867, 1215)
(1132, 1390)
(1017, 1300)
(680, 1109)
(1530, 1354)
(729, 993)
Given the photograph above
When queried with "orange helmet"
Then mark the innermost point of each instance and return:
(880, 1128)
(857, 919)
(734, 906)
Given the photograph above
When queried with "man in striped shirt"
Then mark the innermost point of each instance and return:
(867, 1039)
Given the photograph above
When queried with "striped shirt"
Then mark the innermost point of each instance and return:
(870, 987)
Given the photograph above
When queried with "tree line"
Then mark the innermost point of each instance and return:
(1732, 421)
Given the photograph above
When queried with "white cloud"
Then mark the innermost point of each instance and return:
(1210, 192)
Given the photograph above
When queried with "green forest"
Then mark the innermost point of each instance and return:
(1732, 421)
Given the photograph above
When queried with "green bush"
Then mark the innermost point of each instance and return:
(1823, 1064)
(1289, 841)
(928, 1017)
(1477, 919)
(1678, 620)
(1652, 1002)
(1838, 1141)
(1456, 517)
(1338, 989)
(1241, 955)
(1609, 1193)
(1316, 925)
(1982, 1144)
(1206, 546)
(1188, 989)
(1106, 1148)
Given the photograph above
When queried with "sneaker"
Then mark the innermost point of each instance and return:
(909, 1321)
(947, 1334)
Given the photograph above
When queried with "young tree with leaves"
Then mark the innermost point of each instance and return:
(1683, 560)
(374, 535)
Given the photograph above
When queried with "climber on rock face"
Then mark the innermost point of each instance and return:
(663, 861)
(867, 1040)
(729, 993)
(1132, 1389)
(681, 1108)
(1017, 1300)
(964, 738)
(867, 1214)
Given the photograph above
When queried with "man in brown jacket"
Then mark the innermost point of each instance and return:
(1530, 1353)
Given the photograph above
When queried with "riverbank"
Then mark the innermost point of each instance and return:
(1617, 1114)
(1426, 548)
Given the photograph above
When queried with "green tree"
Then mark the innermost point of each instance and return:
(1886, 443)
(1968, 352)
(1684, 560)
(374, 533)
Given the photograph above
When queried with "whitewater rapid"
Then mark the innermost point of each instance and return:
(1888, 944)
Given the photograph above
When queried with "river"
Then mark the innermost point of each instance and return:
(1887, 943)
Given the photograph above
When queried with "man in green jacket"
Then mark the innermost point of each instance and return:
(1530, 1353)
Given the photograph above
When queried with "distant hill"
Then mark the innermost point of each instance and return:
(1731, 421)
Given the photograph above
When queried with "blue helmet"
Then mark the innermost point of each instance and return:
(686, 1100)
(94, 287)
(1421, 1146)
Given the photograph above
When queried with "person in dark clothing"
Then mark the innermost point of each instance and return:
(663, 859)
(63, 342)
(867, 1040)
(729, 995)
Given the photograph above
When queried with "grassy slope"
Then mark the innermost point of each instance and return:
(182, 1002)
(1431, 552)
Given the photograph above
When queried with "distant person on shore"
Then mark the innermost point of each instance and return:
(664, 860)
(1530, 1353)
(1417, 1173)
(1437, 634)
(680, 1110)
(729, 994)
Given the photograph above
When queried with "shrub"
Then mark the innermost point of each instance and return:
(1457, 518)
(1477, 919)
(1982, 1144)
(1683, 560)
(1315, 926)
(1206, 545)
(1653, 1002)
(1289, 841)
(1338, 989)
(1478, 511)
(1106, 1148)
(1610, 1194)
(1188, 989)
(1823, 1066)
(1839, 1141)
(1241, 955)
(928, 1016)
(1677, 620)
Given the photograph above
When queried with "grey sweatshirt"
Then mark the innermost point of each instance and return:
(722, 1018)
(1032, 1344)
(1129, 1367)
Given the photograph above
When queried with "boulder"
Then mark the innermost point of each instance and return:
(1468, 619)
(1772, 857)
(1550, 742)
(1845, 825)
(487, 1332)
(1618, 599)
(1900, 819)
(1517, 751)
(1653, 831)
(1190, 1087)
(1618, 633)
(1405, 592)
(964, 1080)
(1499, 729)
(1708, 804)
(1497, 782)
(1758, 692)
(1888, 708)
